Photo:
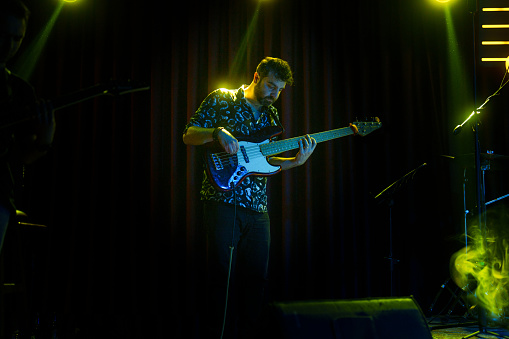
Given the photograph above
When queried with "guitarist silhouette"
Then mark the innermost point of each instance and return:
(24, 143)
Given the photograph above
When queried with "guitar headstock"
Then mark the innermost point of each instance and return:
(367, 126)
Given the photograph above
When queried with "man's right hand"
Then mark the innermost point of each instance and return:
(228, 141)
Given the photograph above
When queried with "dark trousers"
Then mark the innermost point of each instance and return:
(242, 236)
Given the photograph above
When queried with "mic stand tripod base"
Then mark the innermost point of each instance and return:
(481, 321)
(484, 332)
(439, 327)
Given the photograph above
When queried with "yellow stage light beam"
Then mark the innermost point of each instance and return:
(236, 68)
(455, 59)
(26, 62)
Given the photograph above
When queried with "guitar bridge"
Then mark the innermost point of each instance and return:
(220, 160)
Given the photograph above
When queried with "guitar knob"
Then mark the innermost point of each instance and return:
(242, 168)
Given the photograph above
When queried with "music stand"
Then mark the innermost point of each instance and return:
(387, 196)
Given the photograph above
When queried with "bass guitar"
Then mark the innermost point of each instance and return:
(226, 171)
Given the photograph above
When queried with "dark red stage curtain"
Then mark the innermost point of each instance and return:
(119, 192)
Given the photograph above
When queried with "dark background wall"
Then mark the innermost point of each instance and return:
(119, 190)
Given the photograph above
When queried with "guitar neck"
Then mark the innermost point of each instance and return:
(95, 91)
(79, 96)
(277, 147)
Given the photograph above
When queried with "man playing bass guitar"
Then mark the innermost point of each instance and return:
(236, 218)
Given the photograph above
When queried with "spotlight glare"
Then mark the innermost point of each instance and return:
(441, 3)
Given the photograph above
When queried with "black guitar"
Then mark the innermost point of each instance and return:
(111, 88)
(226, 171)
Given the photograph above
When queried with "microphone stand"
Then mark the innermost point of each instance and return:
(481, 215)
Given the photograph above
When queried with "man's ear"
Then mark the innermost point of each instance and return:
(256, 77)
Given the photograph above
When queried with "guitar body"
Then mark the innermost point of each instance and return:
(226, 171)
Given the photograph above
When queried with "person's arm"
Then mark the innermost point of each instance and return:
(197, 136)
(306, 147)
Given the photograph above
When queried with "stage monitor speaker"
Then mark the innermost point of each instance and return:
(380, 318)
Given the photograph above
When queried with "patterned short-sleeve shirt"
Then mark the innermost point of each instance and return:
(229, 109)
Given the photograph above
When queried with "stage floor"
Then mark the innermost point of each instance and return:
(458, 328)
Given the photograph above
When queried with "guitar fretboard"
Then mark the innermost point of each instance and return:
(277, 147)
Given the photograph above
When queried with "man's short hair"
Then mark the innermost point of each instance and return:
(16, 8)
(280, 69)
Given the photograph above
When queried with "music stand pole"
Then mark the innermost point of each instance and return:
(387, 195)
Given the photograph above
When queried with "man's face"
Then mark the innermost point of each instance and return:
(12, 32)
(267, 89)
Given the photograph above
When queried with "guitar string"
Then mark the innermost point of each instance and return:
(285, 142)
(255, 150)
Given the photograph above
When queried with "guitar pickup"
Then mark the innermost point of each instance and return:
(244, 154)
(218, 164)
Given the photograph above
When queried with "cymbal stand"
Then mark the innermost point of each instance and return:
(465, 210)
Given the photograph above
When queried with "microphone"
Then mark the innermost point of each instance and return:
(458, 128)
